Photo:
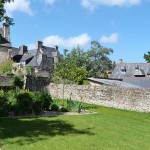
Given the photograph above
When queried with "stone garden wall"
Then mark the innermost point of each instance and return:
(123, 98)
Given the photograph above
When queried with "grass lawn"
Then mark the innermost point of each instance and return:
(109, 129)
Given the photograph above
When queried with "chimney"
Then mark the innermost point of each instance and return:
(6, 31)
(120, 61)
(23, 49)
(39, 44)
(56, 47)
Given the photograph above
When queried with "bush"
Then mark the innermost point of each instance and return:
(6, 66)
(54, 107)
(18, 81)
(3, 106)
(24, 103)
(46, 101)
(63, 109)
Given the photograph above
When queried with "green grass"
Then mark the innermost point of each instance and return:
(109, 129)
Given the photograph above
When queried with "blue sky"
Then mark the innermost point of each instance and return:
(123, 25)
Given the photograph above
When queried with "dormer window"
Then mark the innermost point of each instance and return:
(23, 63)
(123, 69)
(137, 67)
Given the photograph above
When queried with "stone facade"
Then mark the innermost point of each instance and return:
(3, 54)
(122, 98)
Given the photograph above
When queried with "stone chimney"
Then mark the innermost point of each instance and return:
(56, 47)
(23, 49)
(120, 61)
(6, 31)
(39, 44)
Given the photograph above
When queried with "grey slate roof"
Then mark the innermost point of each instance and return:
(26, 57)
(118, 73)
(114, 83)
(143, 82)
(33, 62)
(15, 51)
(49, 51)
(4, 41)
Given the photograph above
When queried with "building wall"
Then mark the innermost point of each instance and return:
(123, 98)
(3, 54)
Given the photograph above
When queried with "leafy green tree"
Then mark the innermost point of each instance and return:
(6, 67)
(147, 57)
(71, 68)
(99, 61)
(3, 15)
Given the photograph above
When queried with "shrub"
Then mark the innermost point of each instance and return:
(24, 103)
(46, 101)
(54, 107)
(3, 106)
(6, 66)
(18, 81)
(28, 70)
(63, 109)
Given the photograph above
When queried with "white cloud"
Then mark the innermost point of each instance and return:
(113, 38)
(71, 42)
(68, 43)
(50, 2)
(92, 4)
(19, 5)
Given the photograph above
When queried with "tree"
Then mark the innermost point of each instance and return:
(147, 57)
(3, 15)
(99, 61)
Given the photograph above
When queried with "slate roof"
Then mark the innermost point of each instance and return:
(4, 41)
(49, 51)
(143, 82)
(26, 57)
(131, 70)
(114, 83)
(33, 62)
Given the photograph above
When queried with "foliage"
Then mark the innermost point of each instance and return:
(28, 70)
(147, 57)
(18, 81)
(98, 59)
(3, 105)
(54, 107)
(63, 109)
(23, 102)
(3, 15)
(6, 66)
(74, 105)
(75, 66)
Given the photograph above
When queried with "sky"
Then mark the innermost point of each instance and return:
(123, 25)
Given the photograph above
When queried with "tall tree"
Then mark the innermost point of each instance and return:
(3, 15)
(147, 57)
(99, 61)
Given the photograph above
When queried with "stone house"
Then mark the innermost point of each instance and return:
(128, 75)
(5, 43)
(41, 59)
(134, 73)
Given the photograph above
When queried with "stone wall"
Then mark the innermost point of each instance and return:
(3, 54)
(37, 83)
(123, 98)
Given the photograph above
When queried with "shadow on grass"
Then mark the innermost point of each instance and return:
(26, 131)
